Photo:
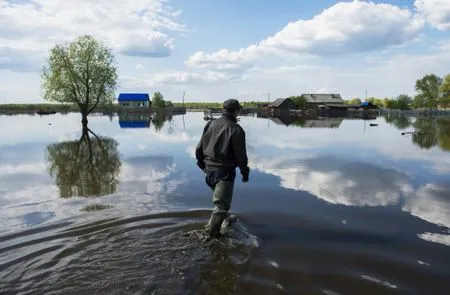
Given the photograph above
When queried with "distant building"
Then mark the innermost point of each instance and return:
(281, 106)
(320, 100)
(134, 100)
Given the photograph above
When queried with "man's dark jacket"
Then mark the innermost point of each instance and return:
(222, 146)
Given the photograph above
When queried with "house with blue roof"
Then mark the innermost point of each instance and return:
(134, 100)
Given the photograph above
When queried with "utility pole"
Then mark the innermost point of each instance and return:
(183, 97)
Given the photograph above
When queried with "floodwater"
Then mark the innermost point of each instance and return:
(333, 207)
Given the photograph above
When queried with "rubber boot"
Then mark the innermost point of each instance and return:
(214, 224)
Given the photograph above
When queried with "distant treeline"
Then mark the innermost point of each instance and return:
(432, 92)
(50, 107)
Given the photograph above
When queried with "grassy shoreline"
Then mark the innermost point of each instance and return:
(110, 108)
(49, 107)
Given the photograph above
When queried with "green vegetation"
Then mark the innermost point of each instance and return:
(158, 100)
(402, 102)
(11, 109)
(354, 101)
(81, 73)
(428, 91)
(432, 92)
(445, 91)
(300, 101)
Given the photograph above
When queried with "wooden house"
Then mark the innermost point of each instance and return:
(134, 100)
(316, 101)
(281, 106)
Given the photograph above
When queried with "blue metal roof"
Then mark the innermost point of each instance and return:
(365, 103)
(134, 124)
(133, 97)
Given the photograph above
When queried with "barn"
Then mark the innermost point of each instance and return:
(281, 106)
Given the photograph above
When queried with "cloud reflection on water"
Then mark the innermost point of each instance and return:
(343, 182)
(339, 181)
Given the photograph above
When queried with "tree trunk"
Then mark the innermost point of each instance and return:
(84, 120)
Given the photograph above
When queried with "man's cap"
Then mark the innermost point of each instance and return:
(232, 104)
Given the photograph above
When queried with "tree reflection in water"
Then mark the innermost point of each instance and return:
(425, 133)
(87, 167)
(428, 133)
(443, 133)
(400, 122)
(432, 132)
(159, 118)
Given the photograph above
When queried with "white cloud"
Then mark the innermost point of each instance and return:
(153, 44)
(188, 78)
(343, 28)
(175, 78)
(389, 77)
(223, 60)
(136, 28)
(437, 12)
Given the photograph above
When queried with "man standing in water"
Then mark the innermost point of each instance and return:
(221, 149)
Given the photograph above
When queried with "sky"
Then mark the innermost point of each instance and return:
(214, 50)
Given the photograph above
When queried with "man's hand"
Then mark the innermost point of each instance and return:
(245, 173)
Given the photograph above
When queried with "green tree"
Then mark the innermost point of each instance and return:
(390, 103)
(158, 100)
(419, 101)
(354, 101)
(87, 167)
(428, 88)
(376, 101)
(404, 102)
(82, 73)
(445, 91)
(299, 101)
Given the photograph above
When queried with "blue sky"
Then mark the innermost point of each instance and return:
(215, 50)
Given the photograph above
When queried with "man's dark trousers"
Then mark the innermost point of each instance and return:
(221, 181)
